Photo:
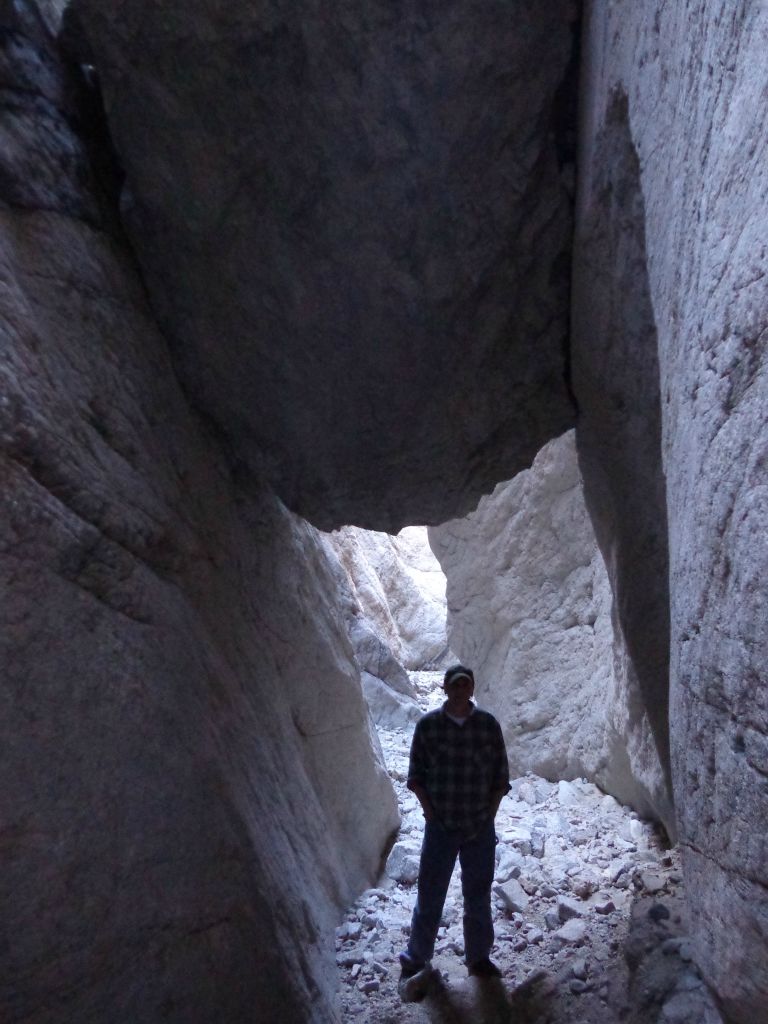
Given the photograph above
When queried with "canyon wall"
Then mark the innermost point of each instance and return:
(190, 785)
(385, 193)
(669, 365)
(400, 587)
(345, 282)
(531, 610)
(189, 792)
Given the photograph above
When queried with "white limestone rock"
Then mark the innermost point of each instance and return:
(400, 588)
(530, 609)
(187, 772)
(572, 933)
(513, 895)
(403, 862)
(670, 368)
(389, 709)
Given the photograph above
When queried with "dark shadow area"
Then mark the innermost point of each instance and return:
(616, 381)
(491, 1002)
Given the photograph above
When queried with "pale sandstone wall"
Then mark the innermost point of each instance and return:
(531, 610)
(188, 788)
(671, 319)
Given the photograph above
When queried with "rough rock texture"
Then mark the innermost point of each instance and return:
(530, 609)
(388, 708)
(588, 917)
(387, 689)
(671, 320)
(384, 193)
(189, 790)
(400, 588)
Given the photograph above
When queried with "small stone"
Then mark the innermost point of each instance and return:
(510, 864)
(584, 887)
(605, 908)
(520, 945)
(566, 794)
(577, 986)
(617, 868)
(527, 793)
(403, 862)
(638, 831)
(651, 882)
(609, 805)
(368, 987)
(551, 920)
(572, 933)
(350, 959)
(538, 839)
(355, 970)
(579, 969)
(567, 909)
(547, 891)
(513, 895)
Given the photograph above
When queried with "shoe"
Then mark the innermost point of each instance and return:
(484, 969)
(408, 967)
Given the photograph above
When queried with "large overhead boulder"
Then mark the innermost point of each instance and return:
(671, 319)
(190, 791)
(531, 610)
(354, 224)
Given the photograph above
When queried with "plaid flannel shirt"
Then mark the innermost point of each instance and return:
(460, 766)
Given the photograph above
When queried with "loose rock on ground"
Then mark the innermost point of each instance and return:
(577, 876)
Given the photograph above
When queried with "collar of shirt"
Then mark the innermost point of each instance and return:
(453, 718)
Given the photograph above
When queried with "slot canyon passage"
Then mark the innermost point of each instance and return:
(274, 269)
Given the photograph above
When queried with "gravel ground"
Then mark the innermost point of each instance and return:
(574, 871)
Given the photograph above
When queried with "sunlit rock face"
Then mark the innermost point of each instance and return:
(354, 223)
(670, 317)
(189, 789)
(400, 588)
(530, 609)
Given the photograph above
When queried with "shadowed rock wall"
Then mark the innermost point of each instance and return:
(531, 610)
(345, 214)
(671, 294)
(188, 788)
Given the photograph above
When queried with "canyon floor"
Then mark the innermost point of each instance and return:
(587, 912)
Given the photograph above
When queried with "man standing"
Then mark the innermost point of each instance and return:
(459, 772)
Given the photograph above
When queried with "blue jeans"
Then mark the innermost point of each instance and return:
(477, 856)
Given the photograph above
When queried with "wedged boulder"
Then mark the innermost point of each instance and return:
(188, 783)
(530, 609)
(400, 588)
(384, 193)
(670, 319)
